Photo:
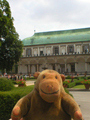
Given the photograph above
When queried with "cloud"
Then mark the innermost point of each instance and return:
(46, 15)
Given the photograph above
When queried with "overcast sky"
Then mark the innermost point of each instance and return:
(49, 15)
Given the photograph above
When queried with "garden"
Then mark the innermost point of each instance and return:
(9, 94)
(77, 82)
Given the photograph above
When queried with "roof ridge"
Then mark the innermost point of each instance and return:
(61, 31)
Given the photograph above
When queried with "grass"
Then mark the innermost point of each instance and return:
(21, 90)
(79, 86)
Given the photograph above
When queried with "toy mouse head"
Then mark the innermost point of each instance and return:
(49, 85)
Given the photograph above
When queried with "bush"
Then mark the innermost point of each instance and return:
(7, 103)
(72, 84)
(68, 92)
(9, 98)
(88, 77)
(5, 84)
(76, 78)
(76, 82)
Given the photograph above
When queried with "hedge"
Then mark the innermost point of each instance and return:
(8, 100)
(76, 82)
(6, 84)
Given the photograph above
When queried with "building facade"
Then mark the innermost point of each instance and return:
(66, 51)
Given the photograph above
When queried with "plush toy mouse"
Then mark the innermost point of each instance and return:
(47, 101)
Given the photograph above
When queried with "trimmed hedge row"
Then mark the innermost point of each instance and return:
(8, 100)
(72, 84)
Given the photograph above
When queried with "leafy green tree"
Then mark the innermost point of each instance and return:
(10, 44)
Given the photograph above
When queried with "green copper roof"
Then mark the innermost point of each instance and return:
(65, 36)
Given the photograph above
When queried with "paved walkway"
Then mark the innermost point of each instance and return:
(83, 99)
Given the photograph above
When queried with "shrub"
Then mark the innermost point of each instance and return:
(5, 84)
(79, 82)
(7, 102)
(85, 82)
(72, 84)
(65, 83)
(76, 82)
(88, 77)
(76, 78)
(84, 78)
(21, 82)
(68, 92)
(9, 98)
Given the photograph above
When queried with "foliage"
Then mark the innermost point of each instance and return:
(21, 82)
(68, 92)
(29, 78)
(88, 77)
(85, 82)
(10, 45)
(6, 84)
(32, 77)
(8, 100)
(65, 83)
(74, 83)
(76, 78)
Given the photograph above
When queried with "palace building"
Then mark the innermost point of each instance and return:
(66, 51)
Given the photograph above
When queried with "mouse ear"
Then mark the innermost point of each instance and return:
(36, 74)
(63, 77)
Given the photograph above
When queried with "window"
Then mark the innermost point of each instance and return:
(72, 67)
(70, 49)
(86, 48)
(56, 50)
(41, 52)
(28, 52)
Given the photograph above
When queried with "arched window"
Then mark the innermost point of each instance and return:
(28, 52)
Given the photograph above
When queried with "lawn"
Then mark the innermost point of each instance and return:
(79, 86)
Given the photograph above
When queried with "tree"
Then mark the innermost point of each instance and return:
(10, 44)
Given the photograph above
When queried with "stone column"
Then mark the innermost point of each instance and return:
(74, 48)
(59, 49)
(76, 67)
(66, 49)
(45, 50)
(56, 67)
(65, 67)
(37, 67)
(85, 67)
(38, 51)
(29, 68)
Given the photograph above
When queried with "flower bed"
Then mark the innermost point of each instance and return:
(65, 83)
(86, 83)
(70, 84)
(21, 83)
